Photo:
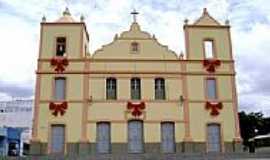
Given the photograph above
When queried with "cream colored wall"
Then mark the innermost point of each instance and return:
(46, 119)
(219, 35)
(196, 92)
(74, 87)
(152, 58)
(152, 134)
(198, 125)
(148, 49)
(74, 93)
(198, 67)
(73, 38)
(225, 86)
(46, 87)
(98, 87)
(72, 66)
(135, 66)
(196, 87)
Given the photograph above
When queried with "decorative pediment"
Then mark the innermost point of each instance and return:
(206, 20)
(135, 33)
(120, 47)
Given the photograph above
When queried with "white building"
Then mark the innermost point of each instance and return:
(18, 114)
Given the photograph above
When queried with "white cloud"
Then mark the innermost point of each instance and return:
(19, 45)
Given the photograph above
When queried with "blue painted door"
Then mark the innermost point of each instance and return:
(214, 144)
(58, 139)
(167, 137)
(103, 137)
(135, 136)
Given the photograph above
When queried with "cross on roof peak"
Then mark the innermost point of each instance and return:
(134, 13)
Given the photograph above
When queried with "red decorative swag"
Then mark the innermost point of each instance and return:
(60, 63)
(214, 106)
(58, 108)
(211, 64)
(136, 108)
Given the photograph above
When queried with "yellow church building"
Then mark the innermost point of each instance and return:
(134, 95)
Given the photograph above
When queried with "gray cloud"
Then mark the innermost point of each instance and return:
(16, 90)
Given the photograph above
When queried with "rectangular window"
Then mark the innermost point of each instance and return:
(60, 46)
(211, 89)
(159, 88)
(57, 139)
(208, 49)
(60, 85)
(134, 47)
(167, 137)
(135, 88)
(111, 87)
(103, 137)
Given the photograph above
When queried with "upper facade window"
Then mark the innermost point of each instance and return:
(60, 85)
(60, 46)
(134, 47)
(211, 88)
(159, 88)
(135, 88)
(208, 49)
(111, 88)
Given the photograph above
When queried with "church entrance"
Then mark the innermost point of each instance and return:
(58, 139)
(167, 137)
(103, 137)
(213, 138)
(135, 136)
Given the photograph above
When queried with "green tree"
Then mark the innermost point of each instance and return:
(251, 122)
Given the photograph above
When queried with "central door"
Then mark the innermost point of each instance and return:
(135, 136)
(214, 138)
(58, 139)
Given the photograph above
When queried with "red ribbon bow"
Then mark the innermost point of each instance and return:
(136, 108)
(211, 64)
(60, 63)
(58, 108)
(214, 106)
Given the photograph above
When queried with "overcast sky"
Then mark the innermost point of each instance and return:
(250, 21)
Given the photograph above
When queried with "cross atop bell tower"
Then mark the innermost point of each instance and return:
(134, 13)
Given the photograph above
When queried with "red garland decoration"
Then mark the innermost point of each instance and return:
(58, 108)
(60, 63)
(136, 108)
(214, 106)
(211, 64)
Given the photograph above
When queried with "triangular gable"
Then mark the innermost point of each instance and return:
(206, 20)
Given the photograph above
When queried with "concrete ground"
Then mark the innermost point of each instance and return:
(261, 154)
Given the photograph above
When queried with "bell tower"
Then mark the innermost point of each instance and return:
(64, 37)
(61, 89)
(210, 84)
(206, 38)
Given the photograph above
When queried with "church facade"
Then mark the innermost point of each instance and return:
(134, 95)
